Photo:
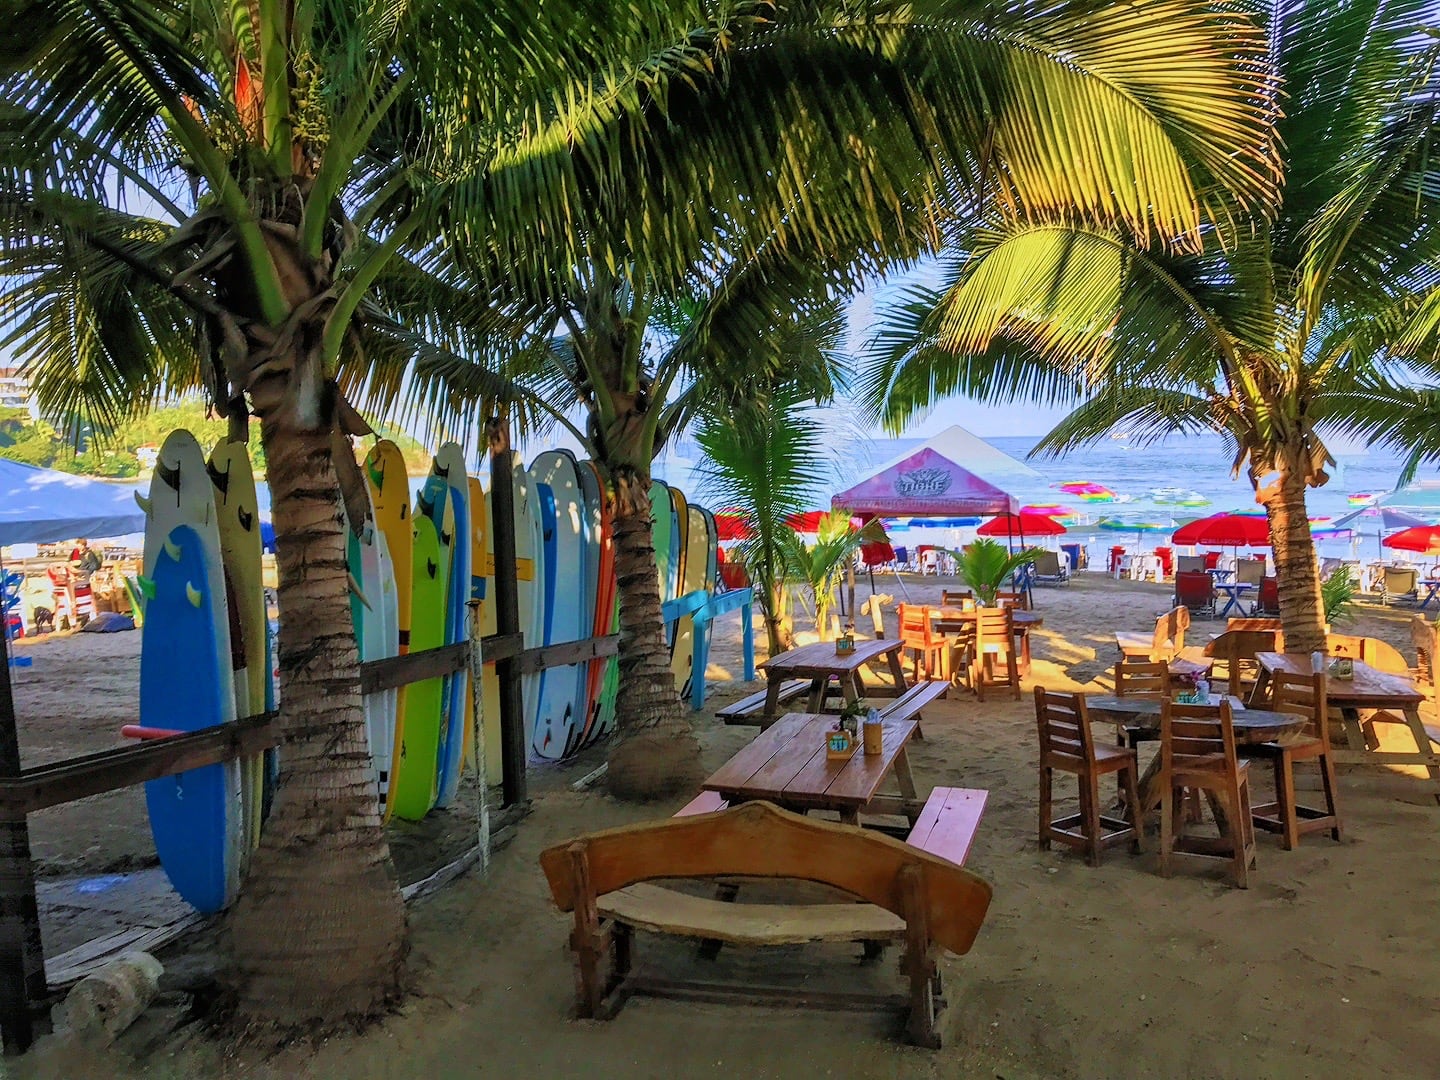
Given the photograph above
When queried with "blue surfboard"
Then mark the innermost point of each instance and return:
(194, 815)
(547, 740)
(450, 467)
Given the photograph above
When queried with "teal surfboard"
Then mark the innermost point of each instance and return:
(195, 816)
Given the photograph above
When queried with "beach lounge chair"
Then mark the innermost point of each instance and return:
(1267, 601)
(1067, 744)
(1249, 571)
(1190, 563)
(1049, 570)
(1197, 753)
(1195, 590)
(1400, 583)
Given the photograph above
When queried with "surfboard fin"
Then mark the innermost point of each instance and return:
(193, 594)
(142, 501)
(172, 549)
(359, 593)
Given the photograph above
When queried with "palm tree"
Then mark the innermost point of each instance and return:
(766, 458)
(1260, 332)
(816, 138)
(209, 192)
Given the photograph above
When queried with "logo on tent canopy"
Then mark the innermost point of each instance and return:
(929, 481)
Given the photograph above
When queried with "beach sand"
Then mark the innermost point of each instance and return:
(1323, 967)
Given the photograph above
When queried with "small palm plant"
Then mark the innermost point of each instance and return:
(986, 566)
(820, 565)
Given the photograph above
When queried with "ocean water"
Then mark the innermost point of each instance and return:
(1196, 467)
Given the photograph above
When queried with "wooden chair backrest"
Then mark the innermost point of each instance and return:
(1303, 695)
(760, 840)
(1170, 630)
(955, 597)
(1134, 677)
(994, 627)
(1259, 622)
(1346, 645)
(1238, 649)
(916, 630)
(1013, 599)
(1197, 737)
(1063, 724)
(1383, 656)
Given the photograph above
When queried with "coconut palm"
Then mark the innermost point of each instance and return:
(819, 566)
(1260, 333)
(212, 192)
(1149, 118)
(986, 565)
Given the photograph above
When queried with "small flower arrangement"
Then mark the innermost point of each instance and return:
(1193, 689)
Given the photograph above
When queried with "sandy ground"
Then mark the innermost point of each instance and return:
(1323, 967)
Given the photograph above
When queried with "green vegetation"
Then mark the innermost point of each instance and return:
(987, 567)
(1337, 595)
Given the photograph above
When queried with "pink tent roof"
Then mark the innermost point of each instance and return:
(925, 484)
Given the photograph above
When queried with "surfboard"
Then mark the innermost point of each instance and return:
(560, 720)
(489, 684)
(449, 466)
(481, 572)
(662, 522)
(543, 743)
(238, 519)
(530, 577)
(195, 816)
(181, 493)
(696, 564)
(412, 781)
(389, 488)
(373, 615)
(433, 501)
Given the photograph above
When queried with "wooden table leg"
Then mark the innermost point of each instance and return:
(1422, 744)
(1260, 692)
(817, 695)
(1354, 735)
(850, 815)
(773, 683)
(906, 779)
(1024, 635)
(897, 671)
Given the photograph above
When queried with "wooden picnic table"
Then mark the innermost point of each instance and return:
(786, 764)
(819, 662)
(956, 620)
(1370, 691)
(1140, 717)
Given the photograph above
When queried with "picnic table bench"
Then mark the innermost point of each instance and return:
(741, 712)
(914, 892)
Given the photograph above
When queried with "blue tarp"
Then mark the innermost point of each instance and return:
(42, 506)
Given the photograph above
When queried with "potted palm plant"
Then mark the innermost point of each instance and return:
(986, 566)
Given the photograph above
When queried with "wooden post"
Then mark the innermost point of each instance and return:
(22, 958)
(513, 748)
(477, 724)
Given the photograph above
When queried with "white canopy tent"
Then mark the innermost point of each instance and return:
(42, 506)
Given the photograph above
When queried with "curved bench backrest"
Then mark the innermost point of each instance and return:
(761, 840)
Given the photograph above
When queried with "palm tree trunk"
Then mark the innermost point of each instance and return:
(319, 933)
(655, 753)
(1297, 571)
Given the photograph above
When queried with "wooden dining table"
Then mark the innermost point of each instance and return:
(820, 663)
(957, 620)
(1381, 694)
(786, 764)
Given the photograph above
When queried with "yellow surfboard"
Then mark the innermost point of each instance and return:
(697, 550)
(238, 516)
(679, 656)
(390, 496)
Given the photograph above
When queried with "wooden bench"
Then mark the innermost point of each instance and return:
(707, 802)
(948, 823)
(908, 705)
(741, 712)
(909, 894)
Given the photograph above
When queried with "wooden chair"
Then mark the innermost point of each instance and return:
(909, 894)
(1142, 677)
(956, 597)
(1197, 753)
(1166, 643)
(921, 641)
(1067, 744)
(1425, 636)
(1300, 695)
(994, 646)
(1237, 650)
(1019, 600)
